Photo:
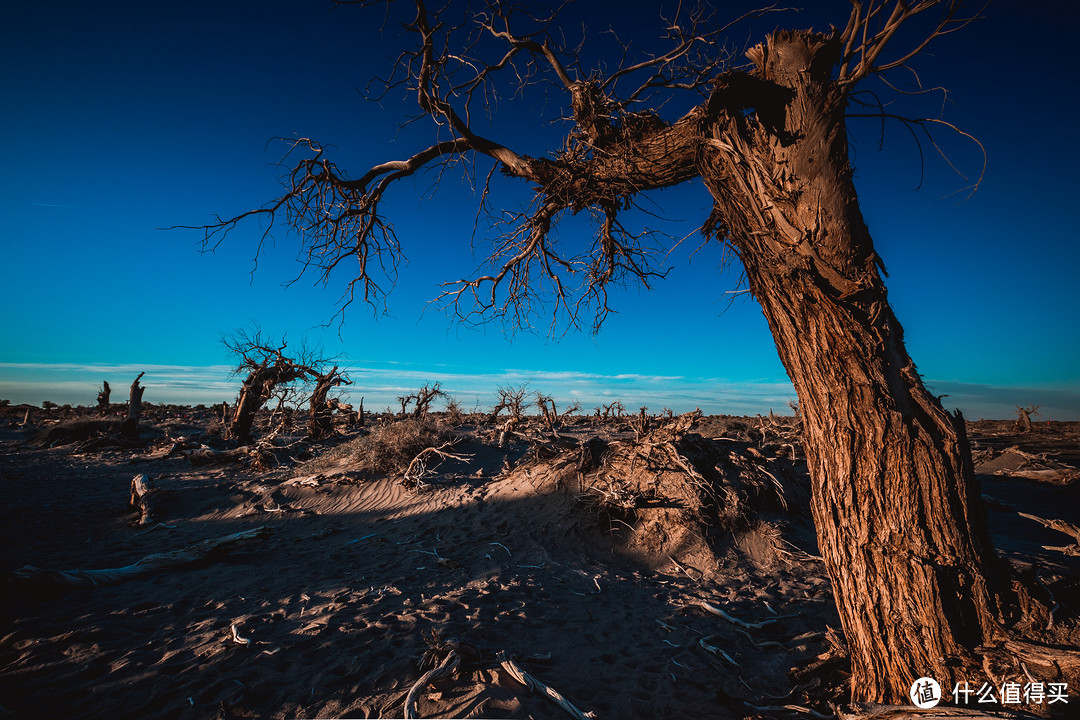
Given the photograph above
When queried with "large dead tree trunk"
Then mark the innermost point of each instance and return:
(257, 389)
(896, 504)
(321, 414)
(897, 507)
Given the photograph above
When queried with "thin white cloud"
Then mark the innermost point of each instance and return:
(380, 384)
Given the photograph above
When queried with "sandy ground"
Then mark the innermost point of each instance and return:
(362, 584)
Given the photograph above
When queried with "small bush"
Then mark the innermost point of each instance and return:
(75, 430)
(388, 449)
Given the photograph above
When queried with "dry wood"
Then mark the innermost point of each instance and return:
(704, 643)
(708, 607)
(418, 466)
(147, 566)
(236, 638)
(130, 427)
(1023, 418)
(791, 709)
(873, 711)
(103, 398)
(547, 691)
(269, 371)
(1062, 527)
(508, 429)
(144, 498)
(448, 665)
(321, 412)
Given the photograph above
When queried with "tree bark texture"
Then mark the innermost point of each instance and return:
(895, 500)
(256, 390)
(321, 413)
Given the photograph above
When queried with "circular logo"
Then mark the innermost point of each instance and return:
(925, 693)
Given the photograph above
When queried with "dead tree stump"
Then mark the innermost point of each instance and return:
(143, 499)
(130, 426)
(103, 398)
(321, 415)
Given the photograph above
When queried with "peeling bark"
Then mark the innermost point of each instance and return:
(895, 500)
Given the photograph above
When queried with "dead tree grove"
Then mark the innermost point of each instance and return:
(267, 370)
(897, 507)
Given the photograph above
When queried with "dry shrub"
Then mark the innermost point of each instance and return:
(671, 493)
(388, 449)
(75, 430)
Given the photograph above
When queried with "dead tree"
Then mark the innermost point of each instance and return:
(424, 397)
(130, 427)
(641, 424)
(549, 411)
(1023, 418)
(454, 412)
(614, 409)
(897, 507)
(103, 398)
(267, 368)
(511, 399)
(321, 413)
(421, 400)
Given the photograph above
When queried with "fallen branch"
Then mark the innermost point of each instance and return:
(418, 466)
(1062, 527)
(144, 498)
(1059, 476)
(449, 663)
(716, 650)
(147, 566)
(741, 623)
(236, 636)
(790, 708)
(533, 684)
(872, 711)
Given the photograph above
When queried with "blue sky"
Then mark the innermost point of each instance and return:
(125, 117)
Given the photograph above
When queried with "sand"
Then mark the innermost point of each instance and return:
(361, 585)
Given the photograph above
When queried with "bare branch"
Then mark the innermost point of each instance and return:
(458, 65)
(923, 125)
(869, 32)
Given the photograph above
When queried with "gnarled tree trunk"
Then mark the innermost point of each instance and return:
(895, 501)
(321, 413)
(256, 390)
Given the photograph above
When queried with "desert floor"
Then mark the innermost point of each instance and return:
(357, 584)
